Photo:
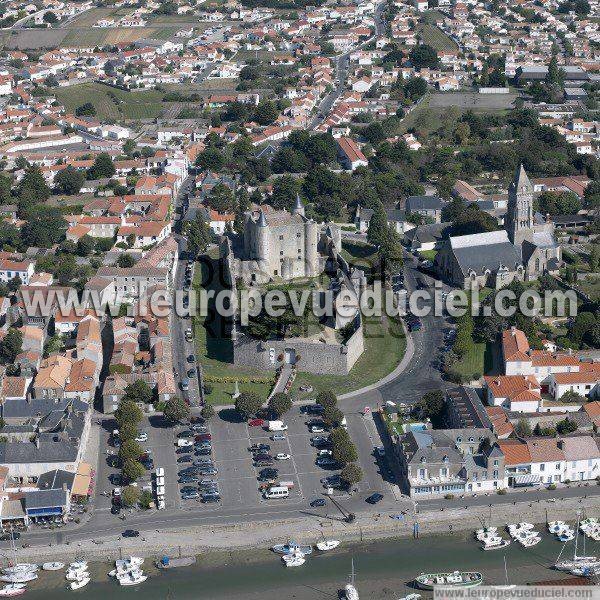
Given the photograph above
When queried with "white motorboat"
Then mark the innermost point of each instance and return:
(126, 574)
(79, 564)
(566, 536)
(530, 541)
(129, 562)
(327, 545)
(12, 589)
(79, 583)
(53, 566)
(75, 575)
(296, 561)
(411, 597)
(291, 547)
(556, 526)
(485, 532)
(19, 577)
(133, 579)
(292, 556)
(495, 544)
(20, 568)
(350, 591)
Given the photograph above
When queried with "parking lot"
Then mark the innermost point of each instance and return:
(237, 477)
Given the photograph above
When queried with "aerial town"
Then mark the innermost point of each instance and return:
(169, 169)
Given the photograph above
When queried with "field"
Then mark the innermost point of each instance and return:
(477, 361)
(112, 103)
(433, 36)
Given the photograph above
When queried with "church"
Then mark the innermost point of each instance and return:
(524, 250)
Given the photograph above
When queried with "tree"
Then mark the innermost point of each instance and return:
(125, 260)
(595, 258)
(571, 396)
(415, 87)
(33, 189)
(146, 499)
(343, 450)
(566, 426)
(9, 235)
(332, 416)
(103, 167)
(326, 398)
(351, 474)
(128, 431)
(132, 470)
(583, 323)
(85, 245)
(211, 159)
(378, 226)
(45, 227)
(220, 198)
(432, 406)
(424, 56)
(5, 188)
(10, 346)
(86, 110)
(207, 412)
(522, 428)
(139, 392)
(284, 192)
(129, 449)
(247, 404)
(50, 18)
(130, 496)
(176, 410)
(199, 235)
(374, 133)
(280, 403)
(250, 73)
(128, 412)
(129, 147)
(69, 180)
(265, 113)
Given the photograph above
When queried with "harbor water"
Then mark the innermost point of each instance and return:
(384, 570)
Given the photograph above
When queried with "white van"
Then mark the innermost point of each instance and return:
(276, 491)
(344, 423)
(277, 426)
(160, 472)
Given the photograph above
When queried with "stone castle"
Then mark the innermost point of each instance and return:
(282, 244)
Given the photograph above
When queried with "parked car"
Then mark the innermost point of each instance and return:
(191, 358)
(131, 533)
(317, 429)
(211, 497)
(190, 495)
(282, 456)
(188, 479)
(207, 482)
(186, 489)
(256, 422)
(326, 461)
(269, 473)
(332, 480)
(203, 452)
(186, 434)
(142, 437)
(278, 437)
(191, 373)
(374, 498)
(114, 510)
(318, 502)
(199, 428)
(208, 471)
(259, 448)
(183, 450)
(203, 437)
(186, 458)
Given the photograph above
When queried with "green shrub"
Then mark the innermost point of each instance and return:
(501, 492)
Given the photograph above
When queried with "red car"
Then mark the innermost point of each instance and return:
(256, 422)
(203, 437)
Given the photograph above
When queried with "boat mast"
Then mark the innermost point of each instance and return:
(505, 570)
(576, 537)
(352, 574)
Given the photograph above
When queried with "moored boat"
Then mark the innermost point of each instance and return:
(350, 591)
(53, 566)
(291, 547)
(133, 578)
(463, 579)
(13, 589)
(19, 577)
(495, 544)
(79, 583)
(326, 545)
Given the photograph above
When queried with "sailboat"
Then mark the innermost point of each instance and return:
(578, 562)
(350, 591)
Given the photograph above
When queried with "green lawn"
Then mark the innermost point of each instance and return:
(477, 361)
(215, 352)
(428, 254)
(433, 36)
(111, 103)
(385, 345)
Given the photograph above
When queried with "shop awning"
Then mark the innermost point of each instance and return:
(82, 481)
(527, 479)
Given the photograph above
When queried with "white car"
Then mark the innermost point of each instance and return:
(324, 453)
(142, 437)
(282, 456)
(278, 437)
(316, 429)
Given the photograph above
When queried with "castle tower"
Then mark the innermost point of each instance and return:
(519, 217)
(298, 207)
(311, 257)
(262, 238)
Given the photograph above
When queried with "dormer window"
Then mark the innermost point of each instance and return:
(445, 459)
(471, 440)
(423, 459)
(458, 440)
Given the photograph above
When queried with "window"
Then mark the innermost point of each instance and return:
(281, 253)
(443, 472)
(458, 440)
(542, 467)
(471, 440)
(422, 473)
(557, 466)
(280, 237)
(495, 462)
(495, 474)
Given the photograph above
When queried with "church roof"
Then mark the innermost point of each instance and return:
(482, 251)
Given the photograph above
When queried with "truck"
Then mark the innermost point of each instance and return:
(276, 426)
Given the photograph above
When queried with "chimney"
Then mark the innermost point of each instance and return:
(570, 351)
